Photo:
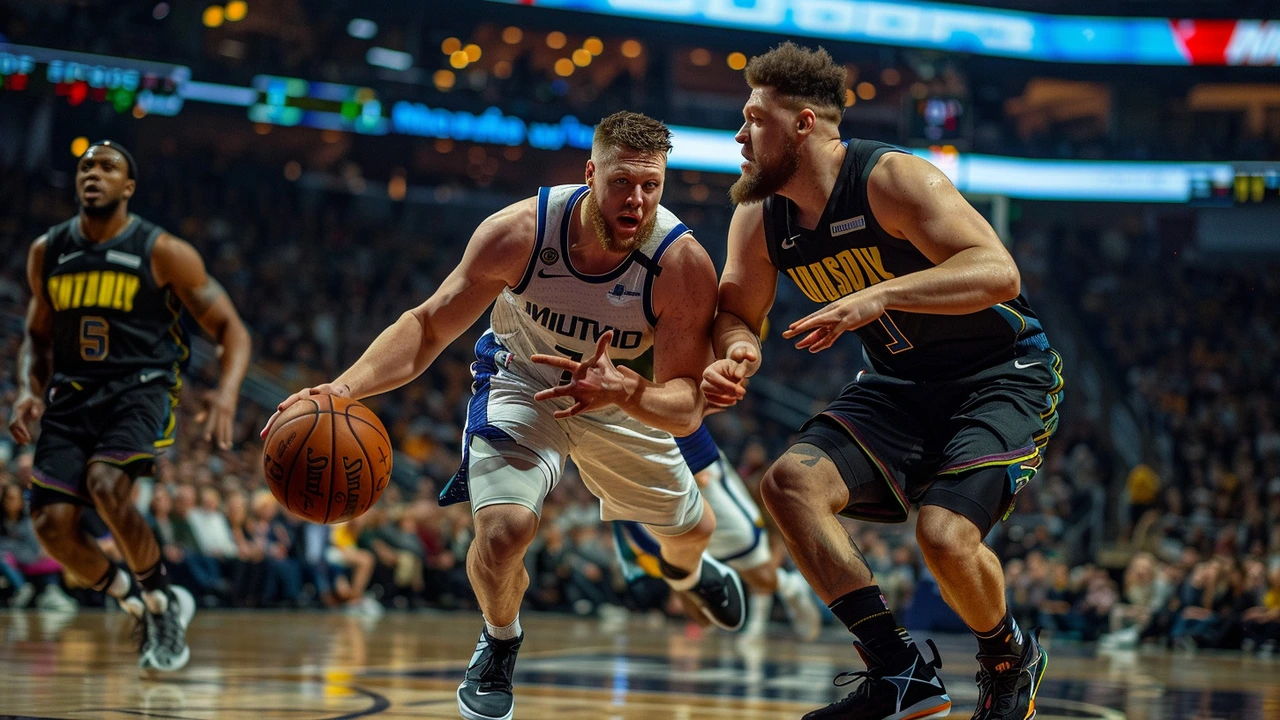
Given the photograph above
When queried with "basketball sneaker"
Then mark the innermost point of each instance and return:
(165, 645)
(913, 692)
(1007, 685)
(797, 599)
(485, 692)
(719, 595)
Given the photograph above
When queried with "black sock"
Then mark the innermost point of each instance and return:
(671, 572)
(1002, 641)
(868, 617)
(154, 578)
(104, 582)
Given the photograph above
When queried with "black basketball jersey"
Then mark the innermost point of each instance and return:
(849, 251)
(109, 318)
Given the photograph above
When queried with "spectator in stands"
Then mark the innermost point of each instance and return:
(24, 562)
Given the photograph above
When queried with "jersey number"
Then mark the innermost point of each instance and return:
(567, 377)
(900, 342)
(94, 336)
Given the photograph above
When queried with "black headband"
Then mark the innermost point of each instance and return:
(128, 157)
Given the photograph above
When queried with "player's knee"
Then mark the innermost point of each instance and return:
(108, 486)
(503, 532)
(54, 524)
(944, 535)
(786, 488)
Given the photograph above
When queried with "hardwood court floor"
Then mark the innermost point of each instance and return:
(308, 666)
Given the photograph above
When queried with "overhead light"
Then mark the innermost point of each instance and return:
(362, 28)
(387, 58)
(236, 10)
(213, 16)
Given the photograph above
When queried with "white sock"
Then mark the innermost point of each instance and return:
(688, 583)
(157, 602)
(761, 609)
(119, 586)
(509, 632)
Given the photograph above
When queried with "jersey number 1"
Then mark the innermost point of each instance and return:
(94, 336)
(900, 342)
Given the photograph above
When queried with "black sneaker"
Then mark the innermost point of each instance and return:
(913, 692)
(719, 595)
(165, 645)
(1007, 685)
(485, 692)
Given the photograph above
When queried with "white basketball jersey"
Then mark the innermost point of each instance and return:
(557, 310)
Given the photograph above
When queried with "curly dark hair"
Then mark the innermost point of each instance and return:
(807, 78)
(631, 131)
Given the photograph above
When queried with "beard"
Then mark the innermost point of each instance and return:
(607, 239)
(770, 174)
(105, 210)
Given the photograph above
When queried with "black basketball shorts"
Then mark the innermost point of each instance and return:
(968, 445)
(122, 422)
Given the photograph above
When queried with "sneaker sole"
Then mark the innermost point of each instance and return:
(470, 714)
(1044, 667)
(934, 707)
(737, 582)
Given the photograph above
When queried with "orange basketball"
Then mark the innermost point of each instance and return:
(327, 459)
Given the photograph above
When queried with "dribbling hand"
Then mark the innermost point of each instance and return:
(26, 412)
(218, 416)
(338, 389)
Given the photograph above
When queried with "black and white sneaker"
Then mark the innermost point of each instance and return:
(910, 692)
(485, 692)
(719, 595)
(164, 647)
(1007, 685)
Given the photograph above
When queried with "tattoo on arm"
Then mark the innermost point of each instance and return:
(199, 300)
(810, 454)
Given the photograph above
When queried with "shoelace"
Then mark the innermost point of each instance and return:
(139, 634)
(863, 691)
(1000, 690)
(498, 668)
(170, 628)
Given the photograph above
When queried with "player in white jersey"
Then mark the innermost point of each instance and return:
(598, 271)
(739, 541)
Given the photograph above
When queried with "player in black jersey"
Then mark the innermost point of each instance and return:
(954, 411)
(99, 369)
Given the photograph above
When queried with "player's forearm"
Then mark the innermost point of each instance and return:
(35, 366)
(674, 406)
(968, 282)
(730, 330)
(236, 348)
(399, 354)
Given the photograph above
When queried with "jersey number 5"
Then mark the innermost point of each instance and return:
(94, 336)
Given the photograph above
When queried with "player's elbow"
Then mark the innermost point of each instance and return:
(1006, 282)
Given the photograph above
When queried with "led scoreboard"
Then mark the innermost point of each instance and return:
(140, 86)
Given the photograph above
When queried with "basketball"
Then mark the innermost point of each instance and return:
(327, 459)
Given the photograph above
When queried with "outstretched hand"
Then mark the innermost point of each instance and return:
(594, 382)
(825, 326)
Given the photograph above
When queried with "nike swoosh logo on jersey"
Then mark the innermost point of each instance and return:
(69, 256)
(547, 276)
(789, 242)
(1020, 366)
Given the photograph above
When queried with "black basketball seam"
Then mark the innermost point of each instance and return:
(373, 487)
(288, 476)
(380, 431)
(333, 451)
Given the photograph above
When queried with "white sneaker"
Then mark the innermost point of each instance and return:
(797, 599)
(22, 596)
(165, 648)
(55, 600)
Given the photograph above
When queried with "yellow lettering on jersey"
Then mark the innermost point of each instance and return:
(106, 288)
(91, 288)
(870, 259)
(78, 290)
(128, 290)
(842, 284)
(805, 282)
(824, 282)
(851, 270)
